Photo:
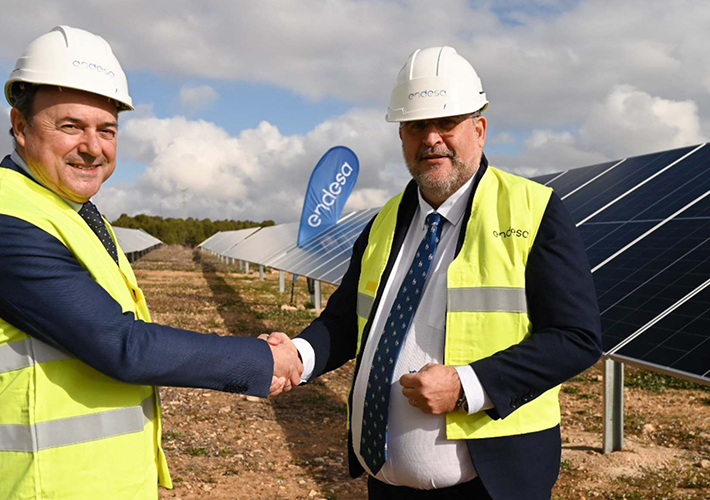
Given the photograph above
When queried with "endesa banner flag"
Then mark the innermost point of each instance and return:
(331, 183)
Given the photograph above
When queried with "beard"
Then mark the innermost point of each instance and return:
(437, 185)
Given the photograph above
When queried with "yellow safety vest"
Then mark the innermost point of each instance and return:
(486, 303)
(66, 430)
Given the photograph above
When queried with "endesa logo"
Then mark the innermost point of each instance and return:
(330, 195)
(93, 67)
(427, 93)
(512, 232)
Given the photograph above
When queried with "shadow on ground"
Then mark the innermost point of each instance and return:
(301, 412)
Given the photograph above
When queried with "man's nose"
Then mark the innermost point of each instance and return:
(431, 135)
(90, 144)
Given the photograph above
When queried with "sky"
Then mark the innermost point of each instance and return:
(237, 101)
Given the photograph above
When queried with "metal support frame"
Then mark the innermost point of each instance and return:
(246, 267)
(316, 294)
(261, 272)
(241, 265)
(613, 406)
(282, 281)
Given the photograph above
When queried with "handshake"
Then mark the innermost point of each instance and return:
(288, 367)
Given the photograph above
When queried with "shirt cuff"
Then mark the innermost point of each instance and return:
(475, 394)
(308, 358)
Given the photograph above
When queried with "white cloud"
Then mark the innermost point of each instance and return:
(544, 71)
(552, 71)
(196, 168)
(631, 122)
(367, 198)
(540, 138)
(197, 97)
(627, 122)
(314, 48)
(548, 151)
(501, 138)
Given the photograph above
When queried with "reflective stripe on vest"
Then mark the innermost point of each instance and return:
(364, 304)
(74, 430)
(27, 352)
(475, 299)
(487, 299)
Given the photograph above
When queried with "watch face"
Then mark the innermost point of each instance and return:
(462, 403)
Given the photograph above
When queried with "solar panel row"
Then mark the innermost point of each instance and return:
(645, 222)
(266, 244)
(135, 242)
(222, 242)
(324, 258)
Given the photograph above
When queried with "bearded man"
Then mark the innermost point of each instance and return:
(467, 302)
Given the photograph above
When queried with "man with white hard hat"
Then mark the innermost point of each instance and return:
(468, 300)
(79, 358)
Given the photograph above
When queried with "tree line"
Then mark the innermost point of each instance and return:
(188, 232)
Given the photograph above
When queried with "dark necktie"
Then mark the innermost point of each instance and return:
(373, 444)
(91, 215)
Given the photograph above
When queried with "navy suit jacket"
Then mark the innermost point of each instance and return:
(566, 340)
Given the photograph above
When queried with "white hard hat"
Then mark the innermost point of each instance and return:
(72, 58)
(435, 83)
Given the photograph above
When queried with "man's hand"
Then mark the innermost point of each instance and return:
(434, 389)
(287, 365)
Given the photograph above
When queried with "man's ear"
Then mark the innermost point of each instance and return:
(481, 129)
(19, 126)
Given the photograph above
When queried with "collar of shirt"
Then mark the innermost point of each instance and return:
(21, 163)
(452, 209)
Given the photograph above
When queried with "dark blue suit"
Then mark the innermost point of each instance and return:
(45, 292)
(566, 340)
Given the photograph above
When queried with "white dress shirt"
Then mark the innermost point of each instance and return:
(419, 455)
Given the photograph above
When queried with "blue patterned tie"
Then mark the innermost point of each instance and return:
(91, 215)
(373, 445)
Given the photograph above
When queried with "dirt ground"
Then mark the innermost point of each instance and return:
(225, 446)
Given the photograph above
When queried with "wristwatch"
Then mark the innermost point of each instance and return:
(462, 403)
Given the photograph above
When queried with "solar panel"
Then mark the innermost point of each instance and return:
(212, 242)
(565, 183)
(620, 187)
(651, 276)
(325, 257)
(267, 244)
(645, 223)
(544, 179)
(227, 239)
(664, 195)
(678, 340)
(135, 240)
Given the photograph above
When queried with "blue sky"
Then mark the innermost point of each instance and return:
(237, 101)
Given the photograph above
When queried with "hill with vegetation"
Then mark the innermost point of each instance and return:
(187, 232)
